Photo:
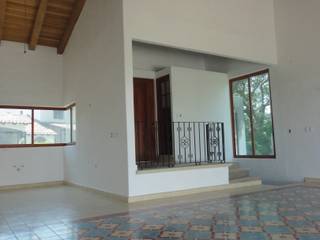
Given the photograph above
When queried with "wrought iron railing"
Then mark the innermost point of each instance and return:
(179, 143)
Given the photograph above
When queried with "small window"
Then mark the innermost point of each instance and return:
(22, 126)
(253, 134)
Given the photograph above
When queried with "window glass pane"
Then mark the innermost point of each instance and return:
(15, 126)
(67, 125)
(241, 112)
(48, 130)
(262, 116)
(74, 124)
(58, 114)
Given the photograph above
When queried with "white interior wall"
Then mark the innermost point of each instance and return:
(233, 28)
(295, 90)
(155, 58)
(148, 57)
(240, 68)
(94, 79)
(201, 96)
(182, 179)
(33, 79)
(147, 74)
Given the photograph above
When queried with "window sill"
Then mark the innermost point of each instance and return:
(36, 145)
(255, 157)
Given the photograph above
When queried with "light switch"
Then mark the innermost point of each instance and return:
(114, 135)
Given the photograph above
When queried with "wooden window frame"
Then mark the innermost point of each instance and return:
(253, 155)
(33, 108)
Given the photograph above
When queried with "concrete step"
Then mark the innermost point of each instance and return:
(312, 180)
(234, 166)
(236, 173)
(246, 179)
(245, 182)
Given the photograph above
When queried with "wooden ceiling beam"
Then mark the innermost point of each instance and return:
(37, 26)
(78, 6)
(3, 4)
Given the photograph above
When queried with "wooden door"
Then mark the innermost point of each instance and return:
(164, 115)
(144, 113)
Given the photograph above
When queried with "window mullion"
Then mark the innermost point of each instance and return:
(251, 118)
(71, 124)
(32, 127)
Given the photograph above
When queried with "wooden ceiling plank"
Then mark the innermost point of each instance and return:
(38, 24)
(3, 4)
(78, 6)
(24, 3)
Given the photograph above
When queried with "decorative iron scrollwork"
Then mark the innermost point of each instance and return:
(179, 143)
(185, 142)
(213, 141)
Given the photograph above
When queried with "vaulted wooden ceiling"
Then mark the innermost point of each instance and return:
(39, 22)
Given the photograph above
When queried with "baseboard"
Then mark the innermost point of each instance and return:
(192, 191)
(149, 197)
(31, 185)
(90, 189)
(135, 198)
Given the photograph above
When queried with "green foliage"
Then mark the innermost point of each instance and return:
(261, 113)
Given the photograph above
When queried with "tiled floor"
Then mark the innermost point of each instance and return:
(52, 213)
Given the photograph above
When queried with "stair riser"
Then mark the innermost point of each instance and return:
(234, 166)
(238, 174)
(246, 179)
(248, 183)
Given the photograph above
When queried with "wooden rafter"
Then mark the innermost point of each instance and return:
(37, 26)
(39, 22)
(78, 6)
(3, 4)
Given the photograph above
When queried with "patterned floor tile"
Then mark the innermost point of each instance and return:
(226, 236)
(226, 228)
(282, 237)
(309, 237)
(306, 230)
(253, 236)
(167, 234)
(198, 235)
(286, 214)
(278, 229)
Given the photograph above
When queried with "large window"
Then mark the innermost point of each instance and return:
(252, 116)
(22, 126)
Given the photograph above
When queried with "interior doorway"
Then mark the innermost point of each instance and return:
(153, 120)
(144, 113)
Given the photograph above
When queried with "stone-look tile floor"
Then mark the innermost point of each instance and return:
(288, 213)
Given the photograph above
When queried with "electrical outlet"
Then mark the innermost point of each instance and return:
(18, 168)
